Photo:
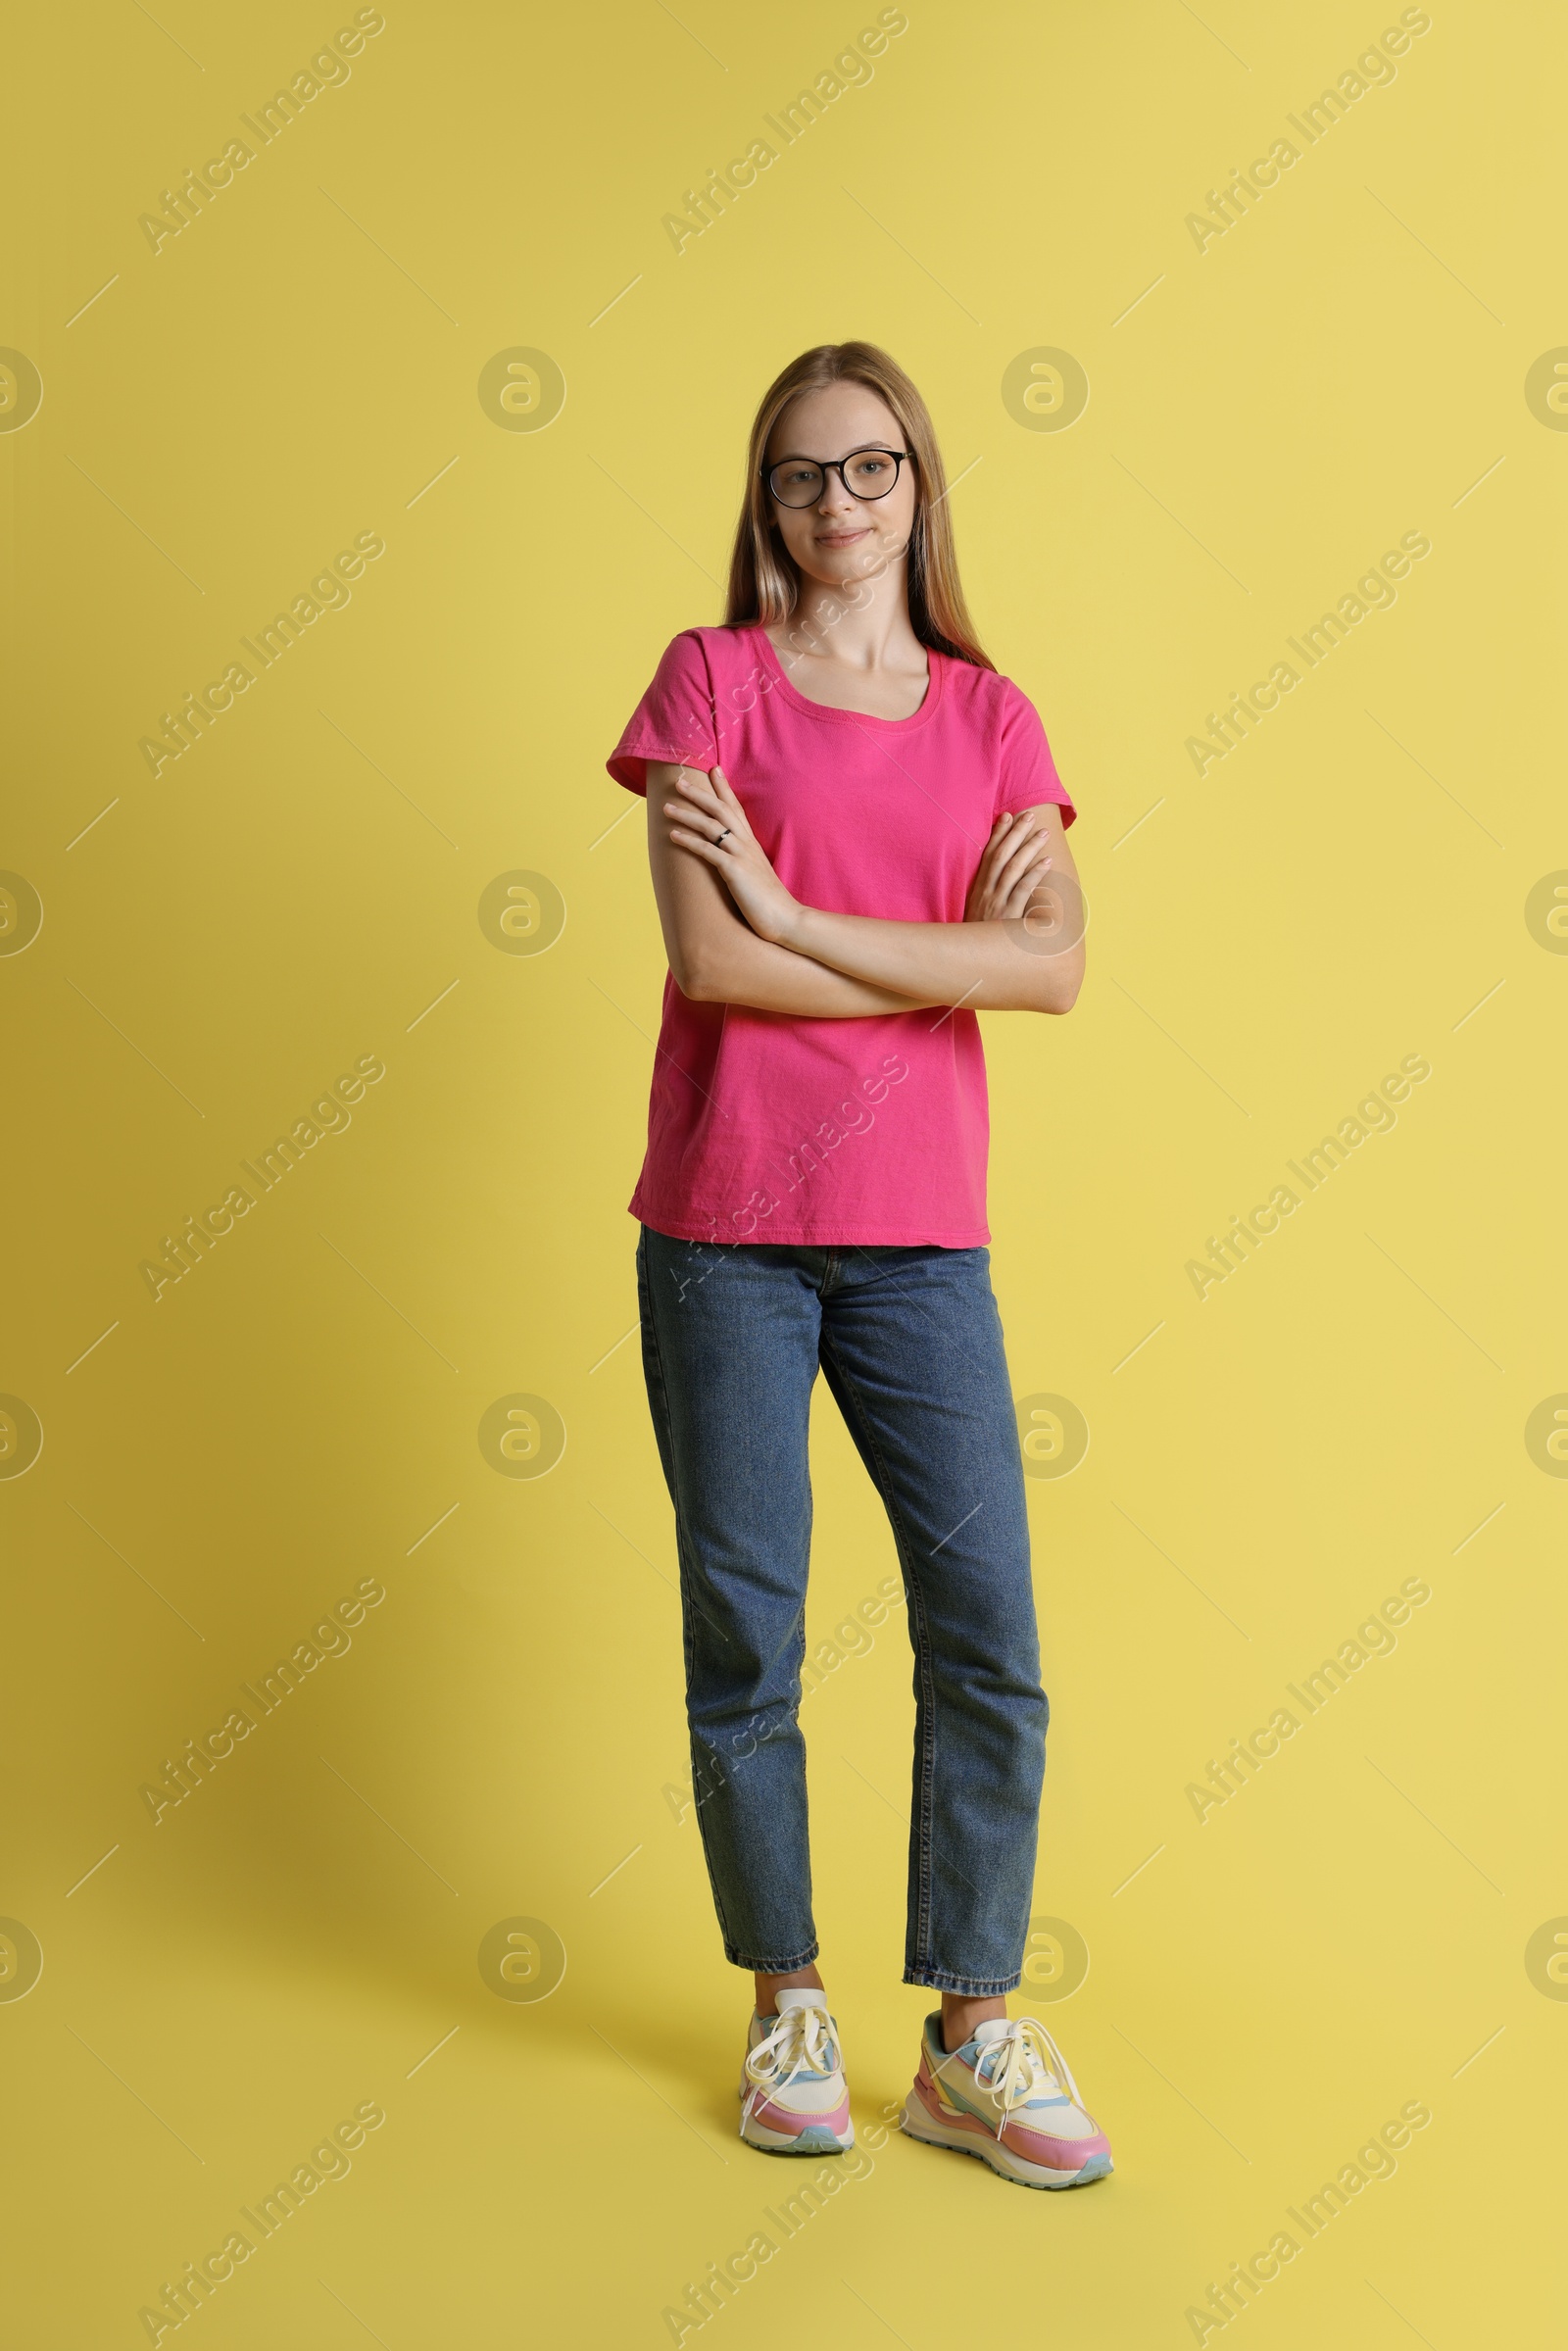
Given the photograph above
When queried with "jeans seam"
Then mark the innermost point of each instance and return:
(917, 1599)
(688, 1609)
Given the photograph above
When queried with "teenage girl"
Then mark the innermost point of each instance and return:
(858, 841)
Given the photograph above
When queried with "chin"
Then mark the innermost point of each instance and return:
(839, 565)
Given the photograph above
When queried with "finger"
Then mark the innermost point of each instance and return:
(734, 813)
(1025, 877)
(697, 816)
(996, 851)
(720, 809)
(688, 818)
(1022, 848)
(699, 845)
(698, 792)
(1025, 889)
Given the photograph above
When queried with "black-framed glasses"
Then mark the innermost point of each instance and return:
(864, 473)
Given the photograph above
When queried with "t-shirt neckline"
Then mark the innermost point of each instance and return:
(935, 665)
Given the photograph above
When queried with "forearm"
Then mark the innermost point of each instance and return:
(987, 966)
(732, 929)
(739, 969)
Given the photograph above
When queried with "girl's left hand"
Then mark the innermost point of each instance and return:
(709, 822)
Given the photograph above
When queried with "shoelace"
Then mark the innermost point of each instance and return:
(1020, 2062)
(801, 2039)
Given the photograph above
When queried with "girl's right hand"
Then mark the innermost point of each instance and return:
(1016, 859)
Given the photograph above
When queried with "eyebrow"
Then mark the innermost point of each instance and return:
(859, 450)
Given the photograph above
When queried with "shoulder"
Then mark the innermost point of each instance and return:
(712, 653)
(675, 722)
(683, 655)
(707, 669)
(1014, 705)
(995, 701)
(1015, 738)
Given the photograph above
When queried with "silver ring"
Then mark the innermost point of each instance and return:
(724, 836)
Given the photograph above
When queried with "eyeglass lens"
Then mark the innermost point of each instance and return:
(869, 473)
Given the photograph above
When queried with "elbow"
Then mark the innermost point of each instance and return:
(693, 976)
(707, 969)
(1063, 984)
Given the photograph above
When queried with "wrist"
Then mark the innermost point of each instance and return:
(792, 926)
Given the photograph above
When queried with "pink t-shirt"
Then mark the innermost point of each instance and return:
(764, 1127)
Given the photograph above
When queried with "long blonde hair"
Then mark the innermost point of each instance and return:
(764, 584)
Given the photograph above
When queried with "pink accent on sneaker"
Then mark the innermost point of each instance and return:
(1057, 2154)
(1034, 2146)
(925, 2091)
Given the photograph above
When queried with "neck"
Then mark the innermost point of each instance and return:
(863, 626)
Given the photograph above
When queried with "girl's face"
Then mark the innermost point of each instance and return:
(840, 538)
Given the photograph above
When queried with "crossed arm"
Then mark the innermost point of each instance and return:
(735, 935)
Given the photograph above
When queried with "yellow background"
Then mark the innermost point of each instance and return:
(1342, 891)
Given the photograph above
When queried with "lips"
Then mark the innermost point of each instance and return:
(840, 538)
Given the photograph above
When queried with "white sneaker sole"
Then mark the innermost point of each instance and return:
(814, 2140)
(918, 2122)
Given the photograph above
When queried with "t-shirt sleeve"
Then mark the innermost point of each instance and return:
(674, 719)
(1027, 775)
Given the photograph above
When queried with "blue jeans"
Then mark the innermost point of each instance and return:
(910, 1343)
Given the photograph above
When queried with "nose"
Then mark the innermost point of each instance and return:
(836, 498)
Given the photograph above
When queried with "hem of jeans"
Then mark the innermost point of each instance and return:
(969, 1987)
(771, 1967)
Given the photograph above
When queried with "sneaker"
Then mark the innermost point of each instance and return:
(1007, 2096)
(797, 2099)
